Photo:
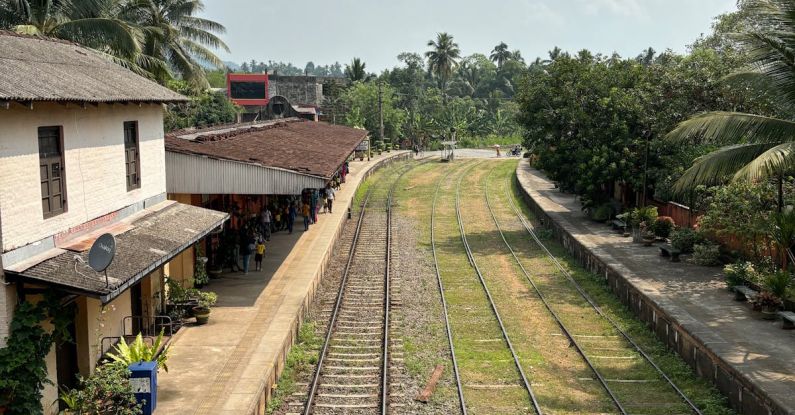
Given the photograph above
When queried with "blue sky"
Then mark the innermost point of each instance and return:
(325, 31)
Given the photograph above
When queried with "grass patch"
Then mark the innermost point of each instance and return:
(301, 360)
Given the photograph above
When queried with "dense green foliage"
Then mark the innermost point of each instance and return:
(23, 370)
(205, 109)
(106, 391)
(162, 39)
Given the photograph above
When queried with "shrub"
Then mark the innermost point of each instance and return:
(739, 273)
(107, 391)
(684, 239)
(706, 254)
(602, 213)
(766, 300)
(778, 283)
(663, 226)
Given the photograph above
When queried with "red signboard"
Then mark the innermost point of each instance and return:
(247, 89)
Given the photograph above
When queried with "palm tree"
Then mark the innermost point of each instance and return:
(755, 147)
(173, 34)
(500, 54)
(356, 70)
(89, 22)
(442, 58)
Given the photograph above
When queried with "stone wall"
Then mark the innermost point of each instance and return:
(743, 396)
(299, 90)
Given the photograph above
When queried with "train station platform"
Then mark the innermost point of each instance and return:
(750, 360)
(229, 365)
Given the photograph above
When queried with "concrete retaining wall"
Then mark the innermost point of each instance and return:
(744, 397)
(259, 407)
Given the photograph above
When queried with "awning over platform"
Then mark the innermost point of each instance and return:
(273, 157)
(151, 239)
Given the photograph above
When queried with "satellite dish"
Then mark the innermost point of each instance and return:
(101, 254)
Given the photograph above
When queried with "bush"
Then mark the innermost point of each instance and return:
(107, 391)
(778, 283)
(684, 239)
(663, 226)
(706, 254)
(739, 273)
(602, 213)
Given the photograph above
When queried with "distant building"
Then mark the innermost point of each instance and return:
(268, 97)
(82, 154)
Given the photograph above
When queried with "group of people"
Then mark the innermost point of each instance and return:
(280, 217)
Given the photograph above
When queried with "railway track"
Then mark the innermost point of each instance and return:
(495, 380)
(353, 370)
(596, 348)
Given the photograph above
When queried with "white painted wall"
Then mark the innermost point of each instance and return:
(94, 165)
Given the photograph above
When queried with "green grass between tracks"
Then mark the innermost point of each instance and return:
(709, 400)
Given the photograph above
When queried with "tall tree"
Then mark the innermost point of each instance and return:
(500, 54)
(755, 146)
(89, 22)
(173, 34)
(443, 58)
(356, 70)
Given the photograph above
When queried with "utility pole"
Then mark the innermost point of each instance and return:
(381, 112)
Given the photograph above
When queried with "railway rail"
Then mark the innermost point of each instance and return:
(440, 284)
(634, 346)
(525, 382)
(352, 372)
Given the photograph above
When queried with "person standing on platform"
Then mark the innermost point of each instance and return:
(259, 255)
(247, 247)
(314, 205)
(330, 194)
(305, 212)
(266, 223)
(291, 214)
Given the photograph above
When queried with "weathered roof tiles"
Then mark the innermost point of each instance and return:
(314, 148)
(35, 68)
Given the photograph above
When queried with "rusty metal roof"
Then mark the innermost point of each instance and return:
(156, 236)
(35, 68)
(314, 148)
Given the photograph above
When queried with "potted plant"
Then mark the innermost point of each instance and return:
(768, 304)
(207, 299)
(648, 238)
(663, 226)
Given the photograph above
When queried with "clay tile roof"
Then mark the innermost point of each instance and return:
(35, 68)
(314, 148)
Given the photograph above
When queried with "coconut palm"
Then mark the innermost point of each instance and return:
(500, 54)
(443, 58)
(173, 34)
(92, 23)
(755, 147)
(356, 70)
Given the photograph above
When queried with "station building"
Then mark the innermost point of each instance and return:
(82, 154)
(240, 169)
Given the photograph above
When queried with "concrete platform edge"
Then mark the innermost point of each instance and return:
(744, 395)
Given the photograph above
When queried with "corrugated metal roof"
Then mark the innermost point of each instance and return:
(187, 173)
(41, 69)
(312, 148)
